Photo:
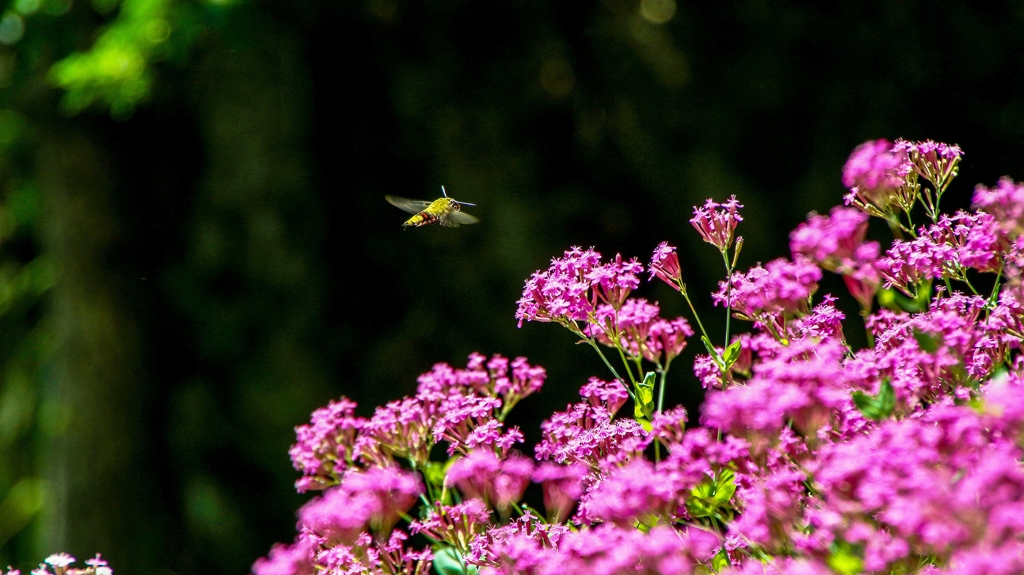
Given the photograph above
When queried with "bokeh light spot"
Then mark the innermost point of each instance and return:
(26, 7)
(12, 28)
(657, 11)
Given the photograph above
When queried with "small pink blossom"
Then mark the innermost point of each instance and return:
(665, 265)
(562, 291)
(609, 395)
(781, 287)
(497, 482)
(635, 492)
(832, 240)
(294, 559)
(1006, 204)
(717, 222)
(873, 173)
(454, 524)
(563, 485)
(933, 161)
(325, 446)
(587, 434)
(669, 426)
(640, 331)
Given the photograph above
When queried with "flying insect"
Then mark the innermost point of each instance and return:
(445, 211)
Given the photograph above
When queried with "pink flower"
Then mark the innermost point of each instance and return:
(782, 287)
(467, 422)
(830, 240)
(571, 288)
(499, 483)
(96, 561)
(806, 385)
(400, 429)
(373, 498)
(454, 524)
(933, 161)
(586, 434)
(522, 546)
(603, 550)
(772, 507)
(825, 322)
(717, 223)
(632, 493)
(562, 291)
(609, 395)
(326, 445)
(783, 566)
(910, 263)
(873, 173)
(665, 265)
(1006, 204)
(945, 249)
(641, 332)
(563, 485)
(670, 425)
(294, 559)
(613, 281)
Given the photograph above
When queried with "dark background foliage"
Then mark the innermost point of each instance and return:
(190, 267)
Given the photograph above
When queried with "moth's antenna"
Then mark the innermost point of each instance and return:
(444, 192)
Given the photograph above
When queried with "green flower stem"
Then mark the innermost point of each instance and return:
(910, 223)
(995, 287)
(625, 362)
(864, 313)
(662, 374)
(695, 316)
(728, 296)
(593, 344)
(968, 282)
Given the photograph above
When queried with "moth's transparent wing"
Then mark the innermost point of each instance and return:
(405, 204)
(455, 219)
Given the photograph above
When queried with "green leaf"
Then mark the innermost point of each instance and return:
(712, 495)
(643, 406)
(725, 486)
(924, 296)
(892, 298)
(435, 472)
(845, 559)
(928, 342)
(876, 407)
(720, 561)
(448, 561)
(714, 353)
(732, 353)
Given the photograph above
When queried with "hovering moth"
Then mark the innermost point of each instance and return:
(444, 210)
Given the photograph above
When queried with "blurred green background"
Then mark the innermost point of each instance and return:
(195, 251)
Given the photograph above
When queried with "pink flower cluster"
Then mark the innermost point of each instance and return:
(717, 222)
(573, 286)
(591, 299)
(782, 288)
(874, 172)
(808, 456)
(61, 563)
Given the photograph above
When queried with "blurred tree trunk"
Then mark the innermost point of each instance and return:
(100, 487)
